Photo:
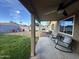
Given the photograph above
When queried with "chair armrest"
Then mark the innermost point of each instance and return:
(63, 44)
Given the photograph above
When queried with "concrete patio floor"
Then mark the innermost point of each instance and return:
(45, 49)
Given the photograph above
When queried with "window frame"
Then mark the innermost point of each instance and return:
(72, 28)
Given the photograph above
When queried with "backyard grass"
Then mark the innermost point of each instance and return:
(14, 47)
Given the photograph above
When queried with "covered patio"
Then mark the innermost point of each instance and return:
(45, 49)
(52, 10)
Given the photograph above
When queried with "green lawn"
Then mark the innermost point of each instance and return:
(14, 47)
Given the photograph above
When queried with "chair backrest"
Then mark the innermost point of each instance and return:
(50, 32)
(67, 39)
(59, 36)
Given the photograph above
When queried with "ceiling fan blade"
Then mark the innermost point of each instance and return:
(50, 12)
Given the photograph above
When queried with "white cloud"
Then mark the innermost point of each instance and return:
(18, 12)
(15, 14)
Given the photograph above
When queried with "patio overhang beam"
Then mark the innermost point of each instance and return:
(41, 7)
(30, 7)
(27, 5)
(38, 9)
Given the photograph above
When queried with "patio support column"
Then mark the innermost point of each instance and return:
(33, 36)
(40, 29)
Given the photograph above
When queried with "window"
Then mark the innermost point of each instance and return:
(66, 25)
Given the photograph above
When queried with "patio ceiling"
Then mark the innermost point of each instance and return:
(47, 9)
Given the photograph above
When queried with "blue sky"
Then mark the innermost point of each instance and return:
(13, 10)
(66, 23)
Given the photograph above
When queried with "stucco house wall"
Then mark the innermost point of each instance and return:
(53, 27)
(75, 34)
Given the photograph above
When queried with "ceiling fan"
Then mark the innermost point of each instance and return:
(62, 6)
